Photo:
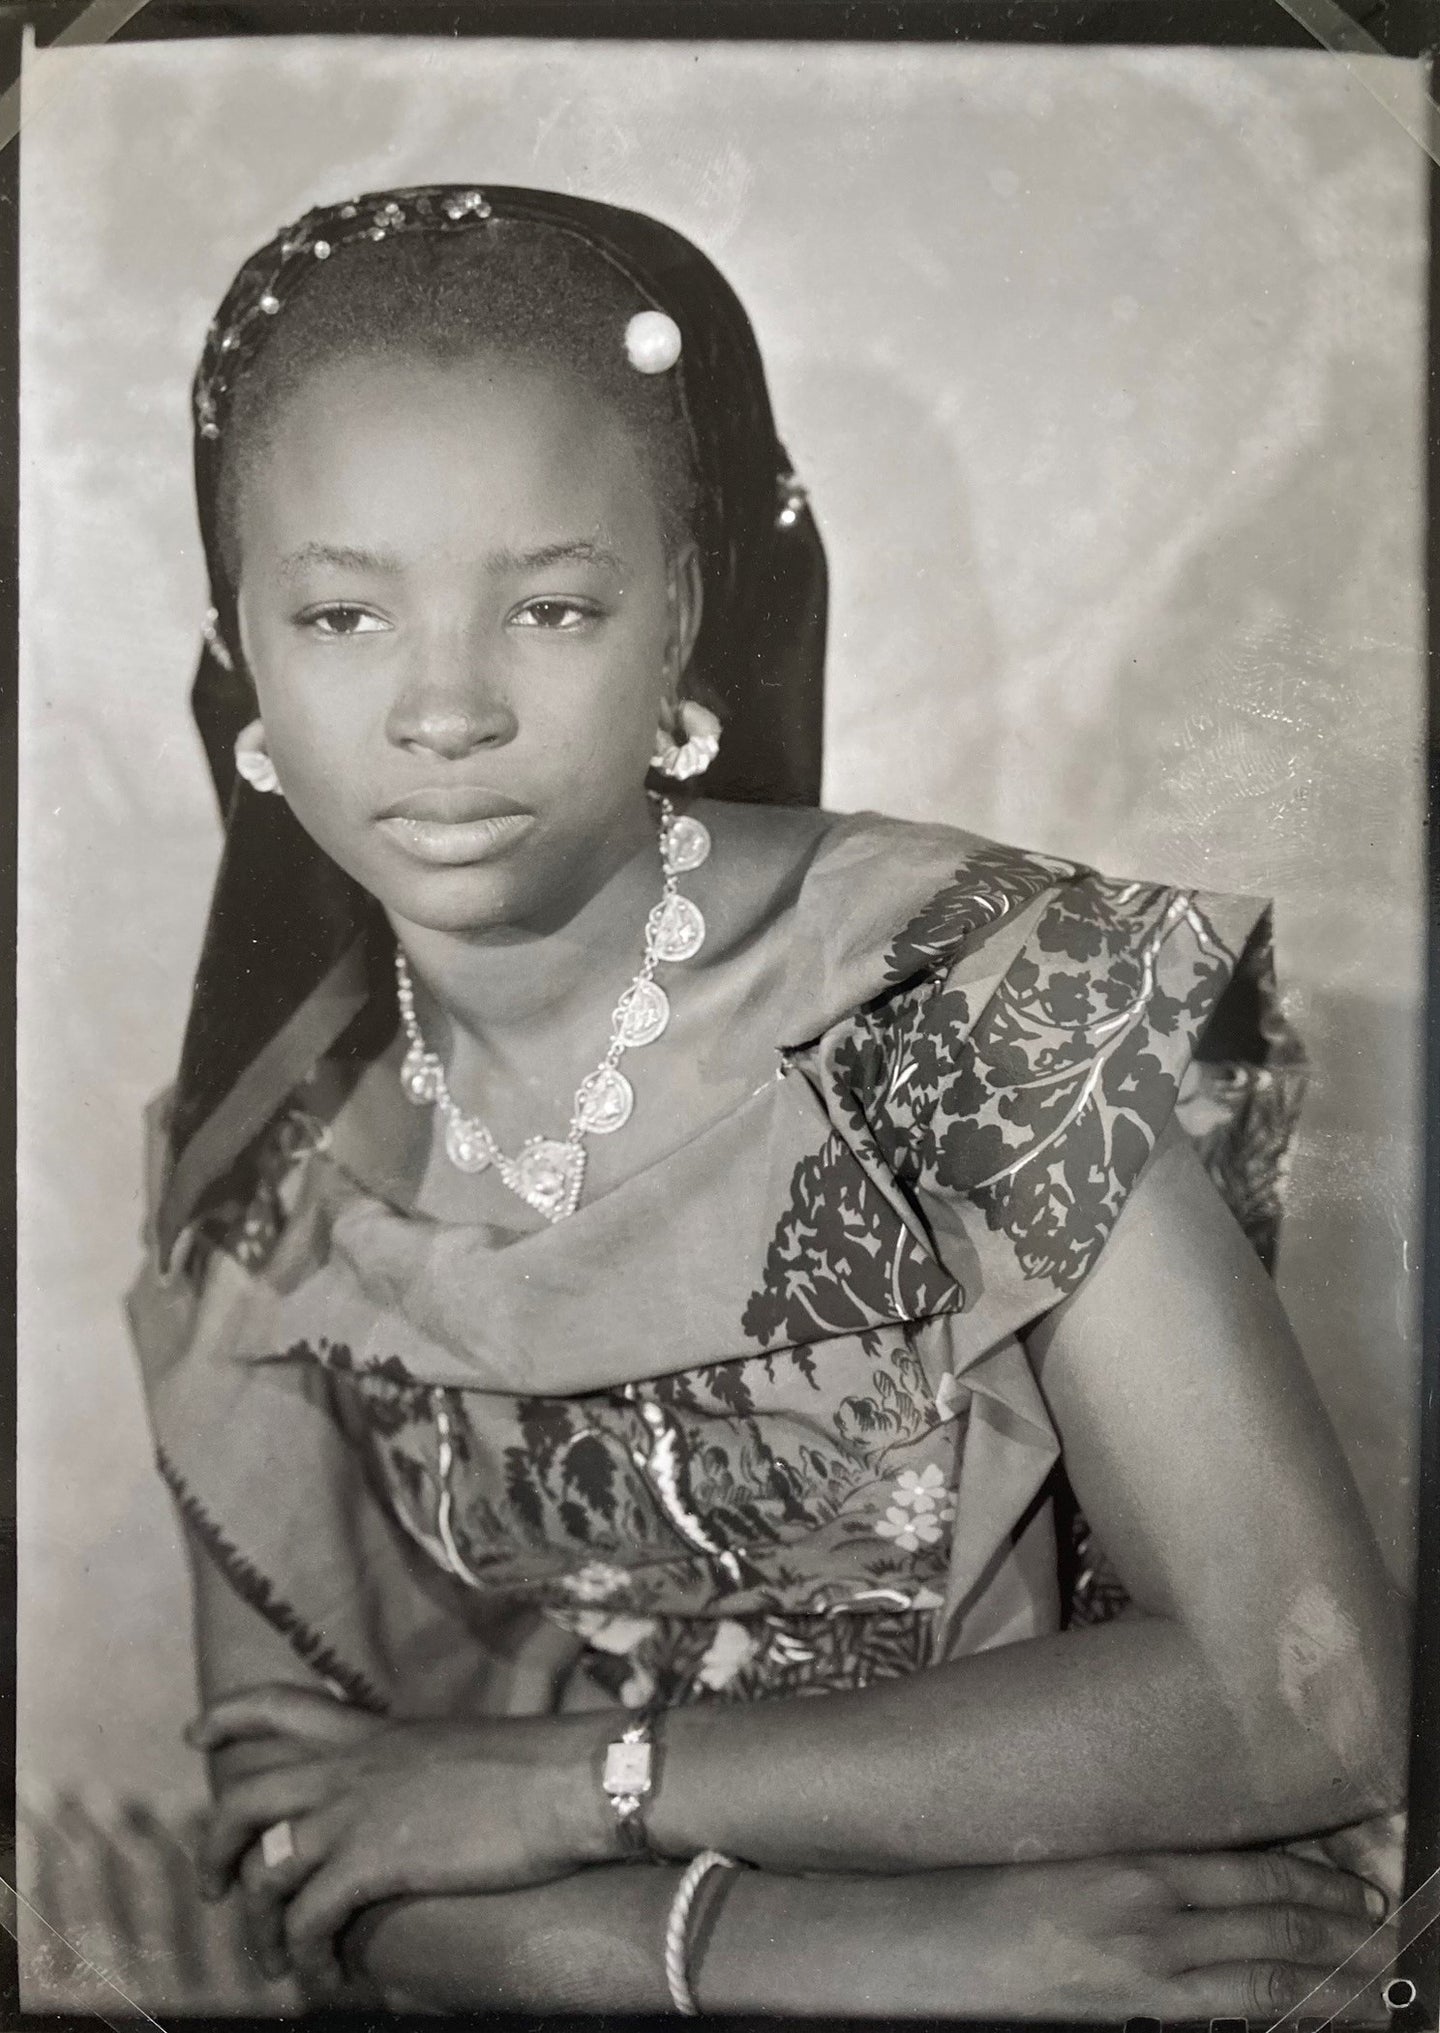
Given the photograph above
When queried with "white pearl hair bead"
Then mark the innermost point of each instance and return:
(652, 342)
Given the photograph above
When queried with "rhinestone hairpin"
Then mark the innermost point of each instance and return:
(277, 273)
(793, 500)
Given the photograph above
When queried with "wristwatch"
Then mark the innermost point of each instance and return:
(628, 1776)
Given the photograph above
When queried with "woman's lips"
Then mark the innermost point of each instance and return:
(453, 843)
(454, 803)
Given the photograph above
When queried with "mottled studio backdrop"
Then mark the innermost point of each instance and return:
(1104, 369)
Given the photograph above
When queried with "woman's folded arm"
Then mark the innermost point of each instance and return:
(1255, 1694)
(1257, 1690)
(1179, 1937)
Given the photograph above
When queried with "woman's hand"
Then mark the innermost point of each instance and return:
(1249, 1934)
(1373, 1850)
(380, 1809)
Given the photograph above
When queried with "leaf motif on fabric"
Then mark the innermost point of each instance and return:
(841, 1259)
(1057, 1095)
(1041, 1108)
(521, 1490)
(546, 1425)
(587, 1470)
(728, 1388)
(862, 1413)
(388, 1413)
(804, 1362)
(985, 889)
(577, 1519)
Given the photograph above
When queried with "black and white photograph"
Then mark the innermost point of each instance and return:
(721, 930)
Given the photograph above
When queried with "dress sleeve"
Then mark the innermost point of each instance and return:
(1040, 1068)
(1003, 1094)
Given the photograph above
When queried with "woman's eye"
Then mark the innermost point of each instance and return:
(555, 614)
(342, 620)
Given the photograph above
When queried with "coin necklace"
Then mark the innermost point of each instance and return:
(549, 1174)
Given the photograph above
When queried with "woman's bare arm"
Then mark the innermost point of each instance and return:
(1182, 1938)
(1199, 1450)
(1257, 1693)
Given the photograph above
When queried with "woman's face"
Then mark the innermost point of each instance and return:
(456, 604)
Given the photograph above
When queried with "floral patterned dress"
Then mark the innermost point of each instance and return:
(820, 1456)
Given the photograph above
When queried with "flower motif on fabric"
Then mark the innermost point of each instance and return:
(922, 1504)
(676, 1660)
(595, 1582)
(628, 1642)
(731, 1648)
(618, 1635)
(710, 1534)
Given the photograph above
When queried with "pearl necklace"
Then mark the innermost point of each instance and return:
(549, 1174)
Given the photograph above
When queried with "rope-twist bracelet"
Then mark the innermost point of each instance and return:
(677, 1927)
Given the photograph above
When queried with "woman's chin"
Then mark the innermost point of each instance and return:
(461, 901)
(519, 895)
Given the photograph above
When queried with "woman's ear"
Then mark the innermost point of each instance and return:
(687, 601)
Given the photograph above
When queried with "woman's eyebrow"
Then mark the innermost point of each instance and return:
(349, 558)
(581, 551)
(346, 557)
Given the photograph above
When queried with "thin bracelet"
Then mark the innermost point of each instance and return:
(677, 1927)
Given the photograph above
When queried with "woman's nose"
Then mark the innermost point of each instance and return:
(450, 705)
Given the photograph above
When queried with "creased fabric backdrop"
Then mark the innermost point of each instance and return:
(1104, 369)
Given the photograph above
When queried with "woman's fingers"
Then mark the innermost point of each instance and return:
(1267, 1991)
(316, 1917)
(1306, 1936)
(1269, 1877)
(267, 1888)
(1374, 1850)
(278, 1710)
(264, 1910)
(249, 1807)
(353, 1878)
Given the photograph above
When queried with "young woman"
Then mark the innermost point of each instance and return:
(623, 1262)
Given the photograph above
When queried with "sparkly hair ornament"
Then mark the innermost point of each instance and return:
(256, 1030)
(267, 282)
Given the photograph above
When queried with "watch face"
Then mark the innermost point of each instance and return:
(627, 1768)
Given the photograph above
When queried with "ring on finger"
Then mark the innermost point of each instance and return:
(277, 1845)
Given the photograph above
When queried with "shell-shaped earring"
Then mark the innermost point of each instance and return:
(252, 758)
(701, 745)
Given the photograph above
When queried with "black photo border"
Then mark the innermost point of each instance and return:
(1408, 28)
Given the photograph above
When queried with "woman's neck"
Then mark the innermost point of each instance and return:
(492, 986)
